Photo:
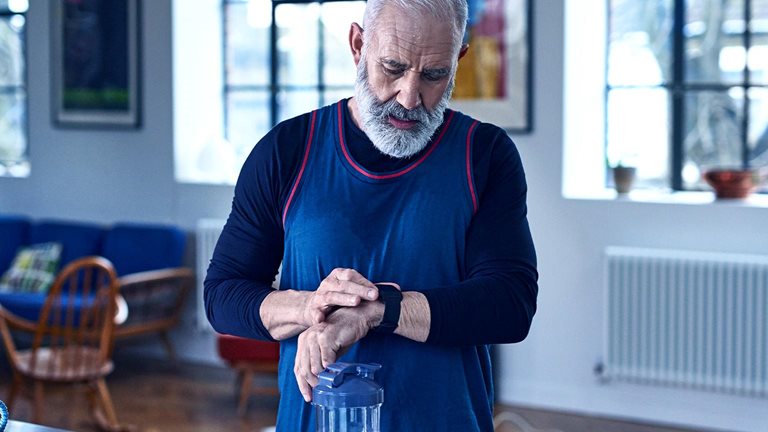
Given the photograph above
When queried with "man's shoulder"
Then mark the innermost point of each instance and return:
(489, 132)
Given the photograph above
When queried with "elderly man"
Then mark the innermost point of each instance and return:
(402, 231)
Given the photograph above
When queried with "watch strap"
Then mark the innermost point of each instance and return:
(392, 299)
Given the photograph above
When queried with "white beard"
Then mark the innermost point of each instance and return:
(374, 116)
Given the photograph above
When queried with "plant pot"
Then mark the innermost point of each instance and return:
(623, 177)
(733, 183)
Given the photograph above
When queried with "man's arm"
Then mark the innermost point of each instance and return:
(239, 297)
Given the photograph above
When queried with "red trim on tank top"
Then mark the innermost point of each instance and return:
(303, 166)
(469, 168)
(405, 170)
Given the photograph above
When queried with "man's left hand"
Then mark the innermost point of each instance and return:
(321, 344)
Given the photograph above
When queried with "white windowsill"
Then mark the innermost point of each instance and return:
(667, 197)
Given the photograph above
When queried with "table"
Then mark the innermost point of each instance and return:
(17, 426)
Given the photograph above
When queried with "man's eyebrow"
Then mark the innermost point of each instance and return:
(402, 66)
(437, 71)
(394, 63)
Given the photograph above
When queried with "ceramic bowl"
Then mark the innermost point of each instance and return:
(733, 183)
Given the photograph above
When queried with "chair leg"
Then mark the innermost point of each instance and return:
(168, 346)
(37, 414)
(245, 390)
(106, 403)
(14, 390)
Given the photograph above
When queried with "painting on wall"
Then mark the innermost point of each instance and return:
(493, 82)
(95, 63)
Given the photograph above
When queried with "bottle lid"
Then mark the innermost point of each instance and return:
(348, 385)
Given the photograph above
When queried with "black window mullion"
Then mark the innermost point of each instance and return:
(747, 84)
(678, 95)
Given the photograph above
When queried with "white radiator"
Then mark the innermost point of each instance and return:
(207, 234)
(689, 319)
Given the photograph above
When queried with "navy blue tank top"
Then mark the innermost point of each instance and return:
(408, 226)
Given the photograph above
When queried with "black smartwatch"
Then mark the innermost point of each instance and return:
(391, 297)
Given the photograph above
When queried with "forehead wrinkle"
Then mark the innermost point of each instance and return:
(392, 47)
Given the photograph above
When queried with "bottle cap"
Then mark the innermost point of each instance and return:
(348, 385)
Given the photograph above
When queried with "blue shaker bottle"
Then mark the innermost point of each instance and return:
(347, 399)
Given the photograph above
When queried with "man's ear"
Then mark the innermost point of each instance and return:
(356, 42)
(463, 50)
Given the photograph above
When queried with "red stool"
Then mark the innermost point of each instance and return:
(249, 357)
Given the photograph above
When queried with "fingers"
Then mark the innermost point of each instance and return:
(349, 281)
(307, 352)
(351, 275)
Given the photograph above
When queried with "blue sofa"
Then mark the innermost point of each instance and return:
(147, 258)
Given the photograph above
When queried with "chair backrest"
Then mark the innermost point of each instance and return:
(77, 319)
(140, 247)
(78, 239)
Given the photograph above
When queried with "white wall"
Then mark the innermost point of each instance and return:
(117, 175)
(108, 175)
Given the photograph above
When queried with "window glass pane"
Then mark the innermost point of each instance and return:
(757, 136)
(758, 52)
(11, 51)
(714, 41)
(247, 42)
(292, 103)
(297, 43)
(247, 120)
(639, 47)
(333, 96)
(638, 133)
(339, 68)
(13, 139)
(15, 6)
(713, 133)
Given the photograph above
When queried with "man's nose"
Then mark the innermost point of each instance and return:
(408, 95)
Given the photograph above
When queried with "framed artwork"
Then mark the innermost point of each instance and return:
(95, 63)
(493, 82)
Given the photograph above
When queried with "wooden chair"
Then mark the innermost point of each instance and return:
(154, 300)
(72, 340)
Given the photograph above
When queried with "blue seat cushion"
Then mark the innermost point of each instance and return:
(136, 247)
(77, 239)
(14, 233)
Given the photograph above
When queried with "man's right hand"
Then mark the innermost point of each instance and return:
(341, 288)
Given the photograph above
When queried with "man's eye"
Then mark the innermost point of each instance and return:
(391, 71)
(433, 76)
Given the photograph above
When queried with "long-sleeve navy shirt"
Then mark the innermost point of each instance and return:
(494, 304)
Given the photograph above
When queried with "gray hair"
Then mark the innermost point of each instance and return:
(448, 10)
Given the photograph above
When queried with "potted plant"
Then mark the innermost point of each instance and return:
(734, 183)
(623, 177)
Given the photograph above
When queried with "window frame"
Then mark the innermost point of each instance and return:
(679, 89)
(21, 90)
(274, 87)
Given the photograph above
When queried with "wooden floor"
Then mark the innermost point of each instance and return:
(155, 396)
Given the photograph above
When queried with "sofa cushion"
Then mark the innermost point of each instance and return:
(14, 232)
(135, 247)
(77, 239)
(33, 269)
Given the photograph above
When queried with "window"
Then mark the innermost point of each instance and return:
(282, 59)
(687, 88)
(13, 89)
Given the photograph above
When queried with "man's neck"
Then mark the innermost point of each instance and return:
(354, 111)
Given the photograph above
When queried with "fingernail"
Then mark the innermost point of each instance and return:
(371, 294)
